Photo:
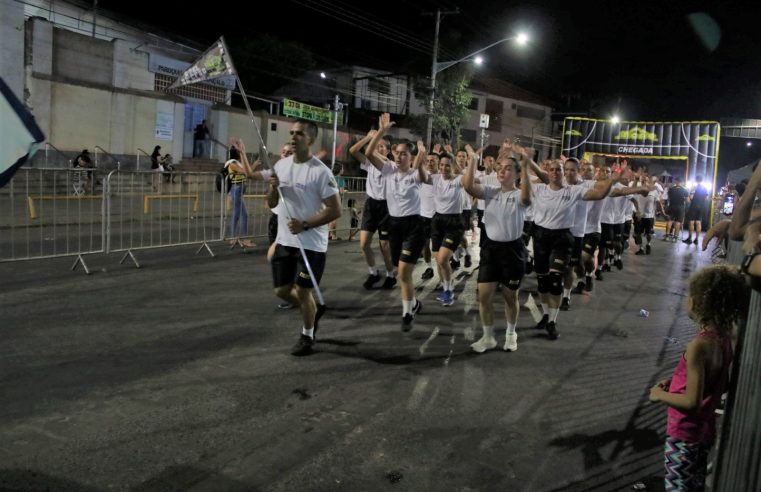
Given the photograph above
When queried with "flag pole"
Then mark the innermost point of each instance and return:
(265, 154)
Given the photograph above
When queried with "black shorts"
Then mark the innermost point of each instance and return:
(447, 231)
(618, 232)
(466, 214)
(626, 230)
(288, 266)
(552, 249)
(578, 244)
(502, 262)
(272, 228)
(591, 241)
(374, 215)
(528, 231)
(425, 224)
(644, 226)
(607, 234)
(675, 213)
(694, 213)
(406, 239)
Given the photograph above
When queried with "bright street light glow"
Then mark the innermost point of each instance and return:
(322, 75)
(478, 60)
(615, 119)
(749, 144)
(522, 38)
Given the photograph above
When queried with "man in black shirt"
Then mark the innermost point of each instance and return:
(677, 196)
(200, 135)
(696, 211)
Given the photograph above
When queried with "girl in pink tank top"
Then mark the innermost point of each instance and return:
(717, 300)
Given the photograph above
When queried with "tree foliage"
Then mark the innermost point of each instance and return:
(450, 106)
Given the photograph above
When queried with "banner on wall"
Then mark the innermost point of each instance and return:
(164, 126)
(695, 141)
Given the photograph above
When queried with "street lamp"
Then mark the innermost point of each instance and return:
(615, 120)
(436, 67)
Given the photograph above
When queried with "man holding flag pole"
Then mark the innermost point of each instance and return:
(308, 193)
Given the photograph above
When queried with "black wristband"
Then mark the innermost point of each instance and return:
(747, 261)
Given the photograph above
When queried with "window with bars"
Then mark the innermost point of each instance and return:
(204, 92)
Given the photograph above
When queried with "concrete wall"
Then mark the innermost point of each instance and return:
(12, 45)
(77, 57)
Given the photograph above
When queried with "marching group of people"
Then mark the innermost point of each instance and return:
(577, 216)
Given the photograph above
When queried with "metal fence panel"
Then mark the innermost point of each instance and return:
(51, 213)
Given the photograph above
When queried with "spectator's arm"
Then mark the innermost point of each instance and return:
(742, 212)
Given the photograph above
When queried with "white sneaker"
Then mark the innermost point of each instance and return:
(484, 344)
(511, 342)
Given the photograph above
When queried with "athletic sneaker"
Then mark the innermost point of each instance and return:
(648, 249)
(407, 320)
(427, 274)
(389, 283)
(552, 331)
(687, 241)
(543, 322)
(469, 261)
(371, 280)
(447, 298)
(589, 284)
(666, 238)
(640, 252)
(695, 241)
(511, 342)
(455, 264)
(605, 268)
(285, 305)
(303, 346)
(598, 274)
(619, 264)
(579, 289)
(417, 307)
(565, 304)
(484, 344)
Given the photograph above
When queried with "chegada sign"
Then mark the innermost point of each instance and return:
(694, 141)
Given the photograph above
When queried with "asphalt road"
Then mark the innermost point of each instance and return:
(177, 376)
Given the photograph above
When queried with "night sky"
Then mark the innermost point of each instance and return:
(643, 60)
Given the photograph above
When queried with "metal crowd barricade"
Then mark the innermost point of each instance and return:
(49, 213)
(148, 209)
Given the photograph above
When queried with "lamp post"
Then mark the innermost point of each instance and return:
(437, 67)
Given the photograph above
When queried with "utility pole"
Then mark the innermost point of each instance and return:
(337, 106)
(434, 69)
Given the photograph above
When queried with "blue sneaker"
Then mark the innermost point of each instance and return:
(441, 296)
(447, 298)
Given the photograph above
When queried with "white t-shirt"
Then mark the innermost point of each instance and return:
(466, 200)
(402, 191)
(582, 208)
(622, 205)
(447, 194)
(647, 204)
(303, 187)
(609, 207)
(374, 184)
(629, 212)
(427, 203)
(504, 213)
(486, 179)
(593, 216)
(555, 209)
